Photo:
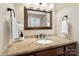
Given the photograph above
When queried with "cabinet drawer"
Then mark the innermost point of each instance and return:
(70, 50)
(60, 51)
(71, 46)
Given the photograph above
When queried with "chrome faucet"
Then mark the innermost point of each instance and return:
(40, 36)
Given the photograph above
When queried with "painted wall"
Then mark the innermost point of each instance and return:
(4, 28)
(20, 18)
(72, 10)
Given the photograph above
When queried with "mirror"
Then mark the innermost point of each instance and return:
(37, 19)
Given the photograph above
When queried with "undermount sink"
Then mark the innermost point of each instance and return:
(44, 41)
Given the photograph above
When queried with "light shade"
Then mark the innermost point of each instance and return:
(51, 6)
(42, 6)
(36, 4)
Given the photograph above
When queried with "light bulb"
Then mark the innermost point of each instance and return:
(44, 4)
(51, 6)
(36, 4)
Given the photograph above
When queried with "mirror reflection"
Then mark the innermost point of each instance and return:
(38, 19)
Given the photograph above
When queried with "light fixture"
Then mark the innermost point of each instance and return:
(36, 4)
(51, 6)
(42, 6)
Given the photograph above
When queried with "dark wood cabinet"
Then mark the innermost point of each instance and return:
(70, 50)
(60, 51)
(65, 50)
(51, 52)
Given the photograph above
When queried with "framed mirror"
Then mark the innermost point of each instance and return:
(37, 19)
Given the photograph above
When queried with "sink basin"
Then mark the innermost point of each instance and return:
(44, 41)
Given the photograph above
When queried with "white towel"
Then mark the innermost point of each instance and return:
(65, 27)
(10, 26)
(15, 34)
(20, 27)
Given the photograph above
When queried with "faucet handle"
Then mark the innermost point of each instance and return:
(36, 36)
(44, 35)
(40, 36)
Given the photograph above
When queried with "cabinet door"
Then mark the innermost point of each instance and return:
(51, 52)
(60, 51)
(70, 50)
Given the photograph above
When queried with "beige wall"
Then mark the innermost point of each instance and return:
(20, 18)
(4, 28)
(72, 10)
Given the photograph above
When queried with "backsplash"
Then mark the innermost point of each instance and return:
(33, 36)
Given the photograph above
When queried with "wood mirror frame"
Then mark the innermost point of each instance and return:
(35, 28)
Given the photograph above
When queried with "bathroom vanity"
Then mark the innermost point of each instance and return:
(64, 50)
(35, 20)
(29, 47)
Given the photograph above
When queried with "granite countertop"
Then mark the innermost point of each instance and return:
(29, 45)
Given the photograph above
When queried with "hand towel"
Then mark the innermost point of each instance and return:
(15, 34)
(10, 25)
(65, 27)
